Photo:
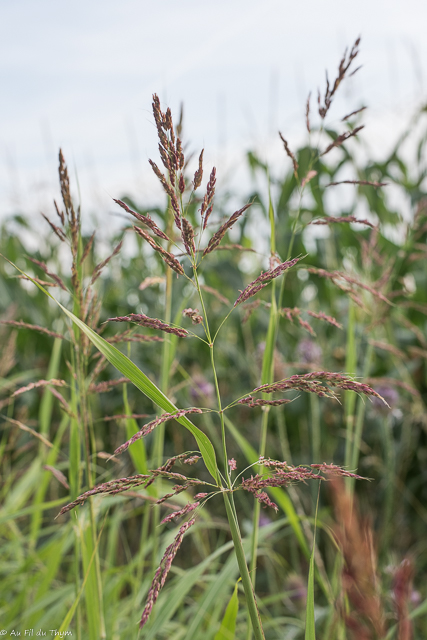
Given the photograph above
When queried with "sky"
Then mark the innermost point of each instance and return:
(80, 76)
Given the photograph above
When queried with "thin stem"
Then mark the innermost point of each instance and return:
(267, 375)
(159, 435)
(257, 506)
(218, 394)
(360, 417)
(350, 397)
(244, 573)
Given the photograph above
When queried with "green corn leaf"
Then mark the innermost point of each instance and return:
(128, 369)
(228, 625)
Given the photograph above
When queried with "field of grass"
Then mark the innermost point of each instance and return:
(290, 335)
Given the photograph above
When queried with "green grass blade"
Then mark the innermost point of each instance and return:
(213, 596)
(228, 625)
(46, 404)
(67, 620)
(310, 623)
(310, 632)
(46, 478)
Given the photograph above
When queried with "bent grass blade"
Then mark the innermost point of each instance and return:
(139, 379)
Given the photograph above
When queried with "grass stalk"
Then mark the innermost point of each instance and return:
(159, 436)
(267, 375)
(349, 396)
(243, 568)
(360, 416)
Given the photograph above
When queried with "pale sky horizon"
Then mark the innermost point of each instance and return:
(80, 76)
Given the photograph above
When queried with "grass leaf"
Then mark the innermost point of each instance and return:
(228, 625)
(139, 379)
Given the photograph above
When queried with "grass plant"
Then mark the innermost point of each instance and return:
(300, 364)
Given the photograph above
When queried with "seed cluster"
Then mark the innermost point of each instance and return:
(153, 323)
(264, 279)
(150, 426)
(163, 570)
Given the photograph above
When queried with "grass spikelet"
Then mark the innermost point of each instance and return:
(58, 475)
(160, 120)
(43, 283)
(57, 231)
(107, 385)
(99, 267)
(215, 293)
(343, 67)
(123, 416)
(182, 512)
(198, 176)
(367, 183)
(166, 186)
(179, 151)
(169, 258)
(176, 210)
(188, 238)
(153, 323)
(310, 175)
(112, 487)
(24, 427)
(65, 191)
(44, 267)
(87, 248)
(194, 315)
(150, 426)
(218, 236)
(34, 327)
(59, 213)
(314, 383)
(335, 276)
(335, 220)
(207, 204)
(264, 279)
(73, 224)
(38, 384)
(290, 154)
(130, 336)
(144, 219)
(322, 316)
(163, 570)
(181, 184)
(307, 326)
(353, 113)
(339, 140)
(335, 470)
(250, 402)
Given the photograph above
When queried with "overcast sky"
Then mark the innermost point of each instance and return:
(81, 74)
